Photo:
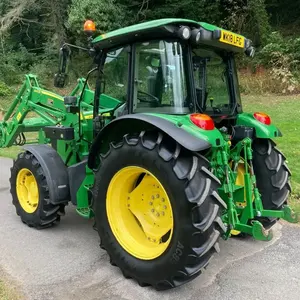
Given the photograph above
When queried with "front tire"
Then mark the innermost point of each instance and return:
(194, 202)
(30, 193)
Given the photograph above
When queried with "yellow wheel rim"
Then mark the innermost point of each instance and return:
(27, 191)
(139, 213)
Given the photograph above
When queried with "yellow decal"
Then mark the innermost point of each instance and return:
(90, 116)
(52, 95)
(19, 116)
(230, 38)
(86, 117)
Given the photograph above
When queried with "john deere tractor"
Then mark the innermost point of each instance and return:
(159, 152)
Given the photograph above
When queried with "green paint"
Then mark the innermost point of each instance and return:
(286, 214)
(262, 130)
(142, 27)
(108, 102)
(214, 137)
(208, 26)
(83, 203)
(239, 217)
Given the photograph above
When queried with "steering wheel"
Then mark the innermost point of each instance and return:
(152, 99)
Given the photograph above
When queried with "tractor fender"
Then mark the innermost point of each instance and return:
(261, 130)
(55, 171)
(77, 175)
(132, 123)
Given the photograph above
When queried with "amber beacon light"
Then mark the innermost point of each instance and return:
(89, 27)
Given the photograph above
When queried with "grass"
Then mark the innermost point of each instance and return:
(11, 152)
(7, 293)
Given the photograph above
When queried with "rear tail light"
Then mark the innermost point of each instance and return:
(262, 117)
(203, 121)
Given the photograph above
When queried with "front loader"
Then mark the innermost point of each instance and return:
(159, 153)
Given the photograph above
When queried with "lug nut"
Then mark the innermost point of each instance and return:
(152, 197)
(157, 214)
(152, 210)
(157, 196)
(165, 206)
(163, 199)
(162, 213)
(150, 203)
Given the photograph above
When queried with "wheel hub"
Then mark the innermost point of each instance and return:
(143, 225)
(27, 190)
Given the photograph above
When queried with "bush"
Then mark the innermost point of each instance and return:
(275, 69)
(14, 64)
(4, 89)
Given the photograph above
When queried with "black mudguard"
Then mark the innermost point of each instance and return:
(76, 176)
(133, 123)
(55, 171)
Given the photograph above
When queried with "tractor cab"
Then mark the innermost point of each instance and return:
(172, 66)
(169, 66)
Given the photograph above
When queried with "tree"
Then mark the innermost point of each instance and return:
(248, 17)
(107, 15)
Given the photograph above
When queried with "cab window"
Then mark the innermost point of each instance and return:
(116, 74)
(160, 83)
(211, 81)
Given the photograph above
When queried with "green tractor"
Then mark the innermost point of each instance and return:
(159, 152)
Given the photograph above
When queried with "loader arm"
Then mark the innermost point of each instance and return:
(48, 107)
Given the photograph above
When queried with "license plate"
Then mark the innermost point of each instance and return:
(230, 38)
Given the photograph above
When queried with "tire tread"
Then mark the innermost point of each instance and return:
(191, 170)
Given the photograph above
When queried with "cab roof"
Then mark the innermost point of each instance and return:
(167, 28)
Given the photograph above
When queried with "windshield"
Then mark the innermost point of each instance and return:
(160, 83)
(212, 82)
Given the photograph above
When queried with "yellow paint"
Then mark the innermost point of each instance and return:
(27, 191)
(90, 116)
(231, 38)
(241, 182)
(86, 117)
(52, 95)
(47, 93)
(19, 116)
(139, 212)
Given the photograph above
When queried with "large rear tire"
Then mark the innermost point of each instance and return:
(30, 193)
(194, 209)
(272, 177)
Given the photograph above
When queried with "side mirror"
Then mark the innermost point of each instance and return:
(60, 78)
(250, 51)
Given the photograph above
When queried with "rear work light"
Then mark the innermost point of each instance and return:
(203, 121)
(262, 117)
